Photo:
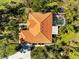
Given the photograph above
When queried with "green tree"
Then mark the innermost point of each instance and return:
(10, 16)
(68, 39)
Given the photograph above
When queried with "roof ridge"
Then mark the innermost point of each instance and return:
(34, 18)
(46, 17)
(42, 19)
(46, 36)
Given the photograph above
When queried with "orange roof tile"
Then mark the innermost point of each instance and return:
(40, 28)
(40, 16)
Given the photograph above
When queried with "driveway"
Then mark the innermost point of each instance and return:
(19, 55)
(24, 53)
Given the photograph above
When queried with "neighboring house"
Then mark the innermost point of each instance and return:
(39, 29)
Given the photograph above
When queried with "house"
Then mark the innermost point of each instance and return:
(39, 29)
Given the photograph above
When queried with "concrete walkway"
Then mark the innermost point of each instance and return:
(24, 55)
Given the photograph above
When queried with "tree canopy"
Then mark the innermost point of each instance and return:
(13, 12)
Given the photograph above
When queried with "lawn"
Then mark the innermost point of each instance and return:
(8, 49)
(7, 1)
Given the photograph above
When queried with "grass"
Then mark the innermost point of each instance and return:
(4, 1)
(11, 49)
(1, 43)
(7, 1)
(2, 7)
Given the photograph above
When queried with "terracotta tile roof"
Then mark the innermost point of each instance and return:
(39, 16)
(40, 28)
(40, 38)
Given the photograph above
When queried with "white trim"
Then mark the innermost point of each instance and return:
(54, 29)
